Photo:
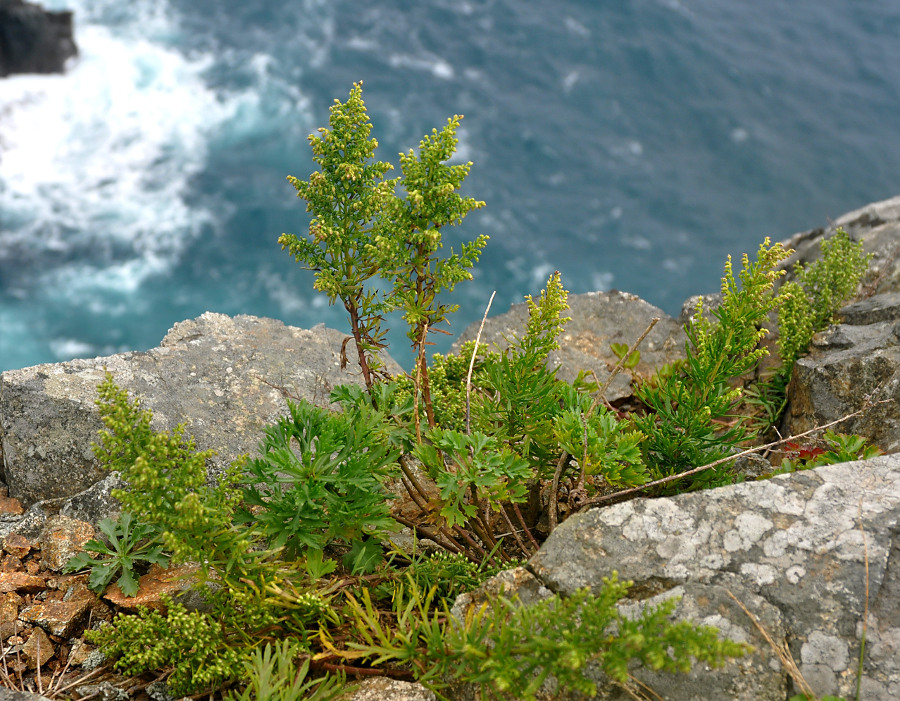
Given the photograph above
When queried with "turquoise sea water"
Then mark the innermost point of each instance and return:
(628, 143)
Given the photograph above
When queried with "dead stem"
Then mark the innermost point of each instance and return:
(472, 362)
(783, 653)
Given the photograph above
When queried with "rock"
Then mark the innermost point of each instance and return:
(104, 691)
(33, 40)
(60, 618)
(226, 377)
(174, 582)
(96, 502)
(10, 695)
(28, 525)
(519, 580)
(848, 364)
(21, 583)
(382, 689)
(61, 539)
(800, 551)
(598, 320)
(38, 649)
(11, 507)
(9, 615)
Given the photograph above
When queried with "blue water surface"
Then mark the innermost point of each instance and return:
(627, 143)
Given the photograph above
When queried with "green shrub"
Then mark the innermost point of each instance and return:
(320, 477)
(191, 642)
(512, 650)
(692, 417)
(293, 539)
(817, 292)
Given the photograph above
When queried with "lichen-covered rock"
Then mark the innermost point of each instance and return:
(598, 319)
(800, 551)
(226, 377)
(848, 365)
(61, 539)
(383, 689)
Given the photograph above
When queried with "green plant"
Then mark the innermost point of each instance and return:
(361, 230)
(600, 444)
(511, 650)
(345, 197)
(836, 448)
(807, 304)
(817, 292)
(190, 641)
(519, 395)
(408, 237)
(129, 543)
(691, 418)
(620, 349)
(320, 477)
(290, 544)
(167, 489)
(448, 574)
(473, 473)
(273, 675)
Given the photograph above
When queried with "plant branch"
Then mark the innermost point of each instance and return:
(716, 463)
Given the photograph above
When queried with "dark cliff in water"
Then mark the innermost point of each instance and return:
(34, 40)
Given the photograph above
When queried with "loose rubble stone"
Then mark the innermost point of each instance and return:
(20, 582)
(95, 503)
(60, 618)
(598, 320)
(38, 649)
(16, 545)
(10, 695)
(382, 689)
(61, 539)
(152, 586)
(9, 615)
(226, 377)
(11, 507)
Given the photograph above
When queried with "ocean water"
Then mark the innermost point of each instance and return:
(627, 143)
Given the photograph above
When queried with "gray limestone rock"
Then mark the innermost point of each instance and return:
(382, 689)
(13, 695)
(800, 551)
(849, 364)
(598, 320)
(96, 502)
(225, 377)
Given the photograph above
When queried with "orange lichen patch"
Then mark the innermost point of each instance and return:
(152, 586)
(11, 506)
(20, 582)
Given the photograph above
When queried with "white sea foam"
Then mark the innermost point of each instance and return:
(437, 66)
(97, 163)
(105, 153)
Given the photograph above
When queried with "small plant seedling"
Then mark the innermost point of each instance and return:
(129, 543)
(620, 349)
